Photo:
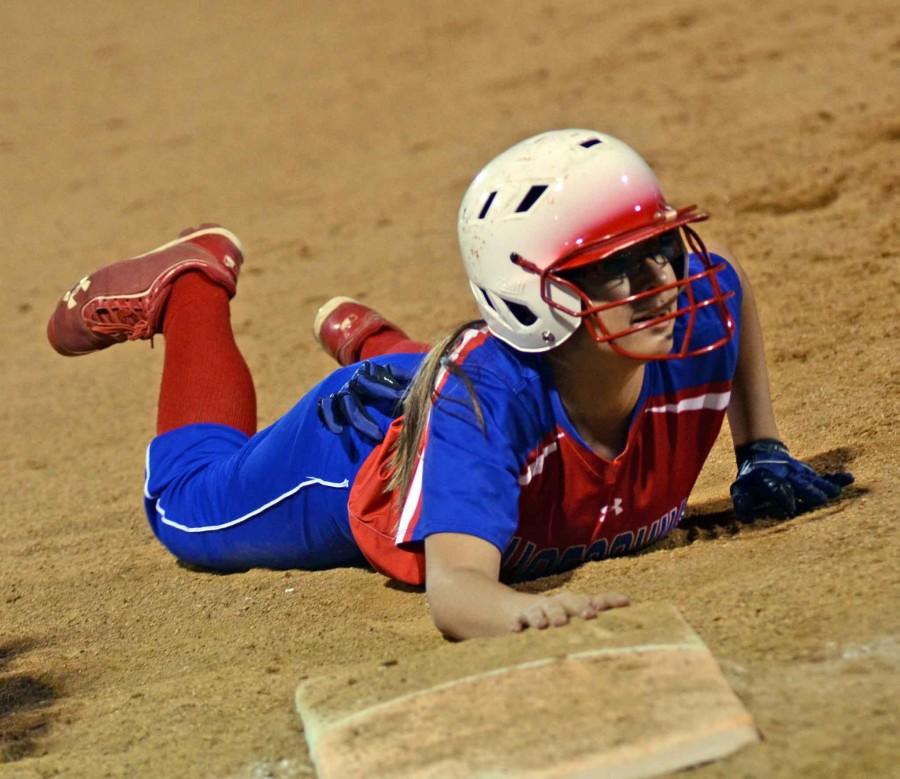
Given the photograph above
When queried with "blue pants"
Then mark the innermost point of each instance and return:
(218, 499)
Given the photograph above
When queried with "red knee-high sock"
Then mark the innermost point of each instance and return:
(205, 378)
(389, 340)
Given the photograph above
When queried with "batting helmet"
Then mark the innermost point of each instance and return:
(559, 201)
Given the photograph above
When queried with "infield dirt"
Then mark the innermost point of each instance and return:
(337, 142)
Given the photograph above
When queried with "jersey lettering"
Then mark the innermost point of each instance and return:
(622, 544)
(597, 550)
(571, 558)
(534, 562)
(543, 563)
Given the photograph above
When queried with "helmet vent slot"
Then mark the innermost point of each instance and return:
(590, 142)
(531, 197)
(487, 299)
(523, 314)
(487, 205)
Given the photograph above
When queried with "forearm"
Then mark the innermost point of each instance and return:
(468, 604)
(750, 413)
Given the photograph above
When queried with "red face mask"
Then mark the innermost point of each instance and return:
(608, 263)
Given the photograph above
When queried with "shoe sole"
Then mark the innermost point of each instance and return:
(221, 231)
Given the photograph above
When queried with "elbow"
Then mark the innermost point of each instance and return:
(448, 631)
(442, 614)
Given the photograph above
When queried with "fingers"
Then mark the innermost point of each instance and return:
(382, 386)
(556, 610)
(534, 617)
(370, 384)
(343, 408)
(610, 600)
(827, 486)
(809, 496)
(819, 490)
(325, 410)
(841, 478)
(355, 413)
(761, 493)
(772, 483)
(543, 614)
(379, 382)
(574, 604)
(556, 613)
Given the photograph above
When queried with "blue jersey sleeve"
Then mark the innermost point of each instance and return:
(468, 477)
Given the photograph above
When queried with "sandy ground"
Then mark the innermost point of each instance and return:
(337, 140)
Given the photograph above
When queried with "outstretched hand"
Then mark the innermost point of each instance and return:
(771, 483)
(370, 384)
(555, 610)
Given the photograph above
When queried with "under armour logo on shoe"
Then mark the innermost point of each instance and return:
(81, 286)
(230, 263)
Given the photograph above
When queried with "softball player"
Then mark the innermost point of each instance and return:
(569, 424)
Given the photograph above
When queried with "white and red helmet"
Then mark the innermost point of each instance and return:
(556, 202)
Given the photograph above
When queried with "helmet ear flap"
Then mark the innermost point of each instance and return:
(522, 313)
(517, 316)
(481, 294)
(514, 314)
(494, 310)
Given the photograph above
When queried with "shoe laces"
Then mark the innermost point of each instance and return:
(123, 317)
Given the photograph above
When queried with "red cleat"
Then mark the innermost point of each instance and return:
(124, 301)
(342, 325)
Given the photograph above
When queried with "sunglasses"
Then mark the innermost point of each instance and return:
(631, 262)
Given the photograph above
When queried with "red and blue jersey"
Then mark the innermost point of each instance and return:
(520, 476)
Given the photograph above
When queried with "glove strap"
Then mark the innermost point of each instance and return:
(744, 452)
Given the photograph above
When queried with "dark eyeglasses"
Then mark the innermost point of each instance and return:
(630, 262)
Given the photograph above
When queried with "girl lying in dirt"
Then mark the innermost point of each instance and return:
(569, 424)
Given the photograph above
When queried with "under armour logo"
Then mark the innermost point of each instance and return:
(81, 286)
(616, 507)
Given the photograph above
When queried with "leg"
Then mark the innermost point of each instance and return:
(389, 341)
(214, 495)
(220, 500)
(205, 377)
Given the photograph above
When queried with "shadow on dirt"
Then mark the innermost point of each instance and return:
(23, 702)
(12, 649)
(715, 519)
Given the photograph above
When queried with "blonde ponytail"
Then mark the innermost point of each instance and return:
(417, 404)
